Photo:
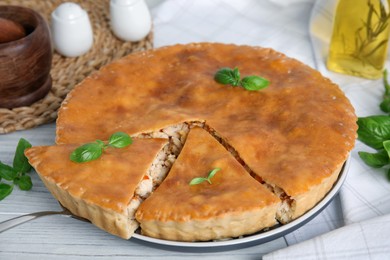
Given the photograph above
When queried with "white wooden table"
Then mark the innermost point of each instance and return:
(58, 237)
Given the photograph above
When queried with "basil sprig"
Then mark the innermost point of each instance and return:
(228, 76)
(92, 151)
(374, 131)
(16, 174)
(199, 180)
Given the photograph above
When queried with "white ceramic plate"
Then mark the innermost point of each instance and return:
(259, 237)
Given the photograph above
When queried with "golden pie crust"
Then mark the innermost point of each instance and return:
(99, 190)
(233, 204)
(293, 137)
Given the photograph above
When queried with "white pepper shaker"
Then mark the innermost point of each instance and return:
(130, 19)
(71, 30)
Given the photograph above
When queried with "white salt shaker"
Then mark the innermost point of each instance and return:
(130, 19)
(71, 30)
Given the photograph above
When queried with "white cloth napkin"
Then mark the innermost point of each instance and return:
(284, 25)
(364, 240)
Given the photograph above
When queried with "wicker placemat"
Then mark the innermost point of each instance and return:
(67, 72)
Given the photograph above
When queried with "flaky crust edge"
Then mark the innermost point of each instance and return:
(229, 225)
(106, 219)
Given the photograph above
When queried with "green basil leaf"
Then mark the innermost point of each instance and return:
(386, 145)
(227, 76)
(375, 160)
(374, 130)
(254, 83)
(120, 140)
(5, 190)
(236, 76)
(87, 152)
(385, 104)
(20, 162)
(197, 180)
(213, 172)
(7, 172)
(24, 182)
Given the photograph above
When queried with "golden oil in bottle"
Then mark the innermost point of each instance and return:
(360, 37)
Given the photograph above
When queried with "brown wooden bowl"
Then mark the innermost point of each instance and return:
(25, 63)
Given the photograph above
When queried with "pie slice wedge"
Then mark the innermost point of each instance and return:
(106, 191)
(233, 204)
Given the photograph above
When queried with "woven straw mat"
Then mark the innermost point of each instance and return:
(67, 72)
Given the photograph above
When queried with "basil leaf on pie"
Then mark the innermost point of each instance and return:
(120, 140)
(254, 83)
(227, 76)
(92, 151)
(197, 180)
(213, 172)
(87, 152)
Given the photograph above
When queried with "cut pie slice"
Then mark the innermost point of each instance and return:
(233, 204)
(106, 191)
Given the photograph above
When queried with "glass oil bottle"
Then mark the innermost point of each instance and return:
(360, 37)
